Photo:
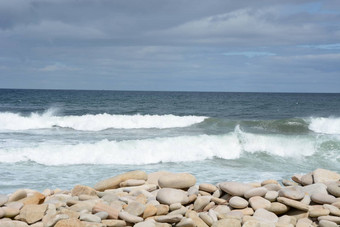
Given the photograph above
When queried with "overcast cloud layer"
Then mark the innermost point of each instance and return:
(267, 45)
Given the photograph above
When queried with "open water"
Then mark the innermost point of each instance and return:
(60, 138)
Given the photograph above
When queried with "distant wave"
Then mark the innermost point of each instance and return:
(97, 122)
(325, 125)
(170, 149)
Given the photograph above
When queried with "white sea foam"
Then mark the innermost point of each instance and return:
(156, 150)
(97, 122)
(325, 125)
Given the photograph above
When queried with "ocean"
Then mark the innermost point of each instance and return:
(60, 138)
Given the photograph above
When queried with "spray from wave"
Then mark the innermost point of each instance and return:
(96, 122)
(325, 125)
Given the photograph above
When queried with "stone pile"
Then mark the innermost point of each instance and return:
(163, 199)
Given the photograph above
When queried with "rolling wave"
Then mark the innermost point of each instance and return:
(169, 149)
(97, 122)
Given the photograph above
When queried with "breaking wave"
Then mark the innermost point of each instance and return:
(96, 122)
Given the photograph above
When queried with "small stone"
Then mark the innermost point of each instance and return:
(218, 201)
(177, 180)
(235, 188)
(307, 179)
(72, 214)
(114, 223)
(266, 215)
(297, 214)
(150, 210)
(293, 203)
(169, 218)
(325, 223)
(196, 219)
(201, 202)
(278, 208)
(222, 209)
(323, 175)
(35, 199)
(15, 205)
(186, 222)
(10, 212)
(180, 211)
(170, 195)
(83, 190)
(193, 190)
(246, 211)
(332, 209)
(227, 222)
(272, 187)
(13, 224)
(175, 206)
(83, 205)
(113, 182)
(32, 213)
(258, 202)
(304, 222)
(209, 206)
(135, 208)
(238, 202)
(206, 218)
(330, 218)
(323, 198)
(261, 191)
(270, 181)
(271, 196)
(207, 187)
(72, 222)
(297, 178)
(148, 223)
(317, 211)
(315, 188)
(53, 219)
(285, 219)
(306, 200)
(289, 183)
(334, 189)
(162, 209)
(129, 217)
(293, 192)
(132, 183)
(3, 199)
(90, 218)
(112, 212)
(102, 214)
(17, 195)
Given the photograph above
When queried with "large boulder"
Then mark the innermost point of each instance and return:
(32, 213)
(235, 188)
(324, 175)
(169, 196)
(113, 182)
(177, 180)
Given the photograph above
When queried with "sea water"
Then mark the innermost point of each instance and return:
(60, 138)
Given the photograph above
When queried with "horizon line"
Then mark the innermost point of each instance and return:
(184, 91)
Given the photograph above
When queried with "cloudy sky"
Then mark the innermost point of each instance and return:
(182, 45)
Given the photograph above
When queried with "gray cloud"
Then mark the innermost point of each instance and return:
(170, 45)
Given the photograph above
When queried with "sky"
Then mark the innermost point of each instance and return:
(173, 45)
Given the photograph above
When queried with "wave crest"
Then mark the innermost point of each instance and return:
(97, 122)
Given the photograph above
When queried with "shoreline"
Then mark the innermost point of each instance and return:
(174, 199)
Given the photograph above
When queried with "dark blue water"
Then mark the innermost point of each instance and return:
(57, 138)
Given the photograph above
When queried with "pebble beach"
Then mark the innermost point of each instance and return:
(157, 199)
